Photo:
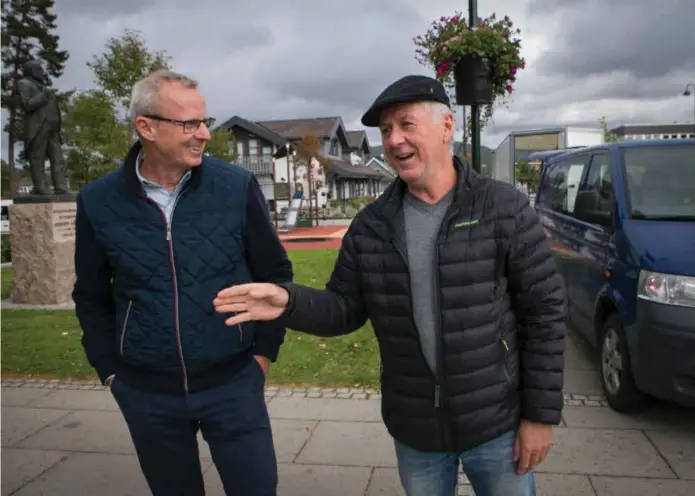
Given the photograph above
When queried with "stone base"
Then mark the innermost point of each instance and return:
(42, 238)
(52, 198)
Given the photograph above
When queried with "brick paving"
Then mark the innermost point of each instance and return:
(68, 438)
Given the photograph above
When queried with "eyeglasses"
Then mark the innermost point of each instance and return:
(189, 126)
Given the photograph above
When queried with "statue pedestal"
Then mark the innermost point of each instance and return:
(42, 237)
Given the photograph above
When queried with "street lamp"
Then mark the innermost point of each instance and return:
(689, 92)
(275, 195)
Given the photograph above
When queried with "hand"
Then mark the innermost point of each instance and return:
(263, 362)
(531, 446)
(254, 301)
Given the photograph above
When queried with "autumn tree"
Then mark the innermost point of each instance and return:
(27, 34)
(310, 147)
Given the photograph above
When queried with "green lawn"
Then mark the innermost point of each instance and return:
(47, 343)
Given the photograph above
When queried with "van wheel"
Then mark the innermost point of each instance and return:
(616, 370)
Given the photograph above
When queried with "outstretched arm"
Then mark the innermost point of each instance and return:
(339, 309)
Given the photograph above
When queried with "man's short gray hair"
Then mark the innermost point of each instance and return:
(145, 96)
(438, 110)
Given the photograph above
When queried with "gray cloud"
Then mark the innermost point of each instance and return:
(641, 37)
(273, 59)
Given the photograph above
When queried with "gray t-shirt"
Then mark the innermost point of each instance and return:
(422, 223)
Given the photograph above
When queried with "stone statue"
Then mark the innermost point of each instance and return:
(42, 124)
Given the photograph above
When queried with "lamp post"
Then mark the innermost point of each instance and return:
(688, 91)
(475, 109)
(275, 195)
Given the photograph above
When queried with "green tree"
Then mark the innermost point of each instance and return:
(5, 186)
(97, 130)
(608, 136)
(27, 33)
(125, 61)
(222, 145)
(94, 135)
(528, 174)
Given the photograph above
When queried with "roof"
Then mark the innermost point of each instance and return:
(355, 138)
(655, 129)
(344, 168)
(298, 128)
(255, 129)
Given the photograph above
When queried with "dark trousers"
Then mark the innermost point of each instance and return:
(233, 419)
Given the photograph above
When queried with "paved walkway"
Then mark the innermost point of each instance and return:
(69, 439)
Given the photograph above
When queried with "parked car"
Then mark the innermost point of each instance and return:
(620, 218)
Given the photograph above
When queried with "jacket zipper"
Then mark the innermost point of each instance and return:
(125, 323)
(175, 282)
(507, 375)
(444, 426)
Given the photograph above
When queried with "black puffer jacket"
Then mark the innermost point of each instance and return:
(502, 310)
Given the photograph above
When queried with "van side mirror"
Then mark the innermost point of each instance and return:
(587, 208)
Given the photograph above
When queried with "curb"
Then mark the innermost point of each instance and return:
(277, 391)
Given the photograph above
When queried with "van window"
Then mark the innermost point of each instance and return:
(561, 184)
(599, 179)
(660, 182)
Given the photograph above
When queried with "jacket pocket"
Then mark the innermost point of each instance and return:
(125, 325)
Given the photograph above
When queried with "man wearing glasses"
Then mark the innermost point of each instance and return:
(155, 241)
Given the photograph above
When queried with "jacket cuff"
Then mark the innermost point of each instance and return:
(267, 348)
(547, 414)
(269, 336)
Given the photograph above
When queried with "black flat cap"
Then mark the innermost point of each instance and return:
(408, 89)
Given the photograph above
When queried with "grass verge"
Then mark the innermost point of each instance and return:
(44, 343)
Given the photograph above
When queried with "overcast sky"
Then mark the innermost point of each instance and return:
(274, 59)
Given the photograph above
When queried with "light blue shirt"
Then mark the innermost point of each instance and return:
(159, 194)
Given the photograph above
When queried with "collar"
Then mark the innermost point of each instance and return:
(150, 184)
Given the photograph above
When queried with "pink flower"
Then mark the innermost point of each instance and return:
(523, 63)
(442, 68)
(513, 71)
(510, 89)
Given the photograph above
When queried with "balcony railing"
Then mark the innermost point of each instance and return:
(259, 166)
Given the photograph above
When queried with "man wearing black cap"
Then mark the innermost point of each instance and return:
(454, 271)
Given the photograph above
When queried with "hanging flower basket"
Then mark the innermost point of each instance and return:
(473, 81)
(478, 65)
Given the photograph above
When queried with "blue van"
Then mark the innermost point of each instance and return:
(620, 218)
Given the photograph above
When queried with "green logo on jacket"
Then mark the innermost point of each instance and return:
(466, 223)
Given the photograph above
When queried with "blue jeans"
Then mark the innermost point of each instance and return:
(490, 468)
(233, 419)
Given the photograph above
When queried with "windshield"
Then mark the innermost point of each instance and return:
(660, 182)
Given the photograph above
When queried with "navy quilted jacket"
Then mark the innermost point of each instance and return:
(144, 291)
